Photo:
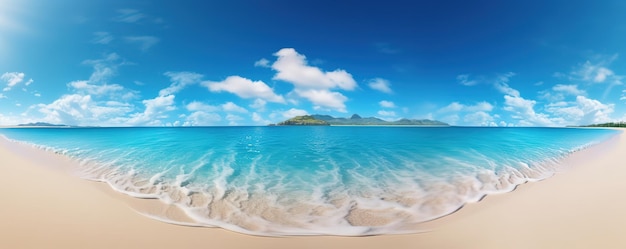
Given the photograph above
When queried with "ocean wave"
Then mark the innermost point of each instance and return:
(356, 185)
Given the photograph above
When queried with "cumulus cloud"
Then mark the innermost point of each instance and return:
(232, 107)
(595, 71)
(199, 106)
(475, 115)
(14, 78)
(262, 63)
(93, 101)
(569, 89)
(201, 118)
(387, 104)
(77, 109)
(155, 110)
(322, 98)
(523, 110)
(293, 67)
(582, 111)
(201, 114)
(463, 79)
(233, 119)
(102, 37)
(380, 84)
(457, 107)
(311, 83)
(479, 118)
(144, 42)
(293, 112)
(257, 118)
(245, 88)
(259, 104)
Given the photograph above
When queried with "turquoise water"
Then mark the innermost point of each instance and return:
(314, 180)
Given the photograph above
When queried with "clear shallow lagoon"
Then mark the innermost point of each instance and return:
(314, 180)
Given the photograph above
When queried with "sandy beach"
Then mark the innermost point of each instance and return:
(46, 206)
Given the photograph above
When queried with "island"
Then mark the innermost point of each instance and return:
(610, 124)
(355, 119)
(303, 120)
(42, 124)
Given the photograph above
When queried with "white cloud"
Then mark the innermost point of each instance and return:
(156, 109)
(201, 118)
(2, 96)
(102, 37)
(387, 104)
(144, 42)
(12, 79)
(202, 114)
(523, 110)
(199, 106)
(98, 90)
(180, 80)
(128, 16)
(233, 119)
(457, 107)
(623, 95)
(502, 84)
(323, 98)
(381, 85)
(479, 118)
(293, 112)
(463, 79)
(386, 113)
(582, 111)
(245, 88)
(257, 118)
(232, 107)
(262, 63)
(292, 67)
(568, 89)
(76, 109)
(602, 74)
(596, 71)
(259, 104)
(104, 68)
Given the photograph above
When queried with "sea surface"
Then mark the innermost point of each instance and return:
(314, 180)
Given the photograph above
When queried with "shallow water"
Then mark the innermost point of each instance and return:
(314, 180)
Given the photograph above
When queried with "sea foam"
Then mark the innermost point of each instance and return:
(346, 181)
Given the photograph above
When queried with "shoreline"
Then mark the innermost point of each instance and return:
(40, 217)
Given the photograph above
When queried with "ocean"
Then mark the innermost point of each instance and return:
(310, 180)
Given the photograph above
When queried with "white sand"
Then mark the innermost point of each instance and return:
(43, 206)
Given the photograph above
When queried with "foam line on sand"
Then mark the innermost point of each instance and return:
(44, 206)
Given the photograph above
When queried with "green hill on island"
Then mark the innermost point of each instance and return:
(356, 120)
(303, 120)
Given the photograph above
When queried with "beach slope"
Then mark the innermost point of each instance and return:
(45, 206)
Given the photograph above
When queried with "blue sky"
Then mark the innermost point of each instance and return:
(154, 63)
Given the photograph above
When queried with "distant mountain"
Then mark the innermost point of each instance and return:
(356, 120)
(303, 120)
(42, 124)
